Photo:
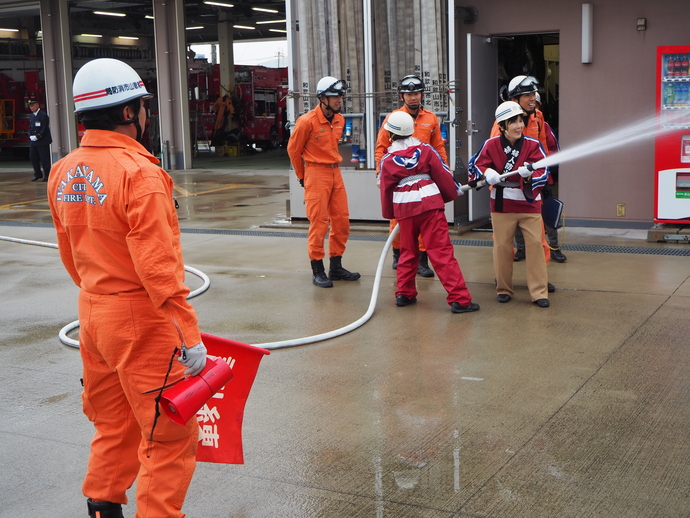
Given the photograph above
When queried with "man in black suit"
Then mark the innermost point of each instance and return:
(40, 140)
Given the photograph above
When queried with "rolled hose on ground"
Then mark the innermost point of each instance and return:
(268, 345)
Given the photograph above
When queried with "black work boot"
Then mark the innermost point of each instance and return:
(104, 509)
(423, 268)
(396, 256)
(558, 256)
(320, 278)
(337, 273)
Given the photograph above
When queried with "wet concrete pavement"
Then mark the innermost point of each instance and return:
(578, 410)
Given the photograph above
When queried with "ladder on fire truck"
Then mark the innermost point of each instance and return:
(201, 137)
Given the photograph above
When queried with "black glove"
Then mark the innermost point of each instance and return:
(474, 183)
(301, 181)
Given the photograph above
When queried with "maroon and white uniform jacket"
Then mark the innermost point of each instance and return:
(414, 179)
(513, 194)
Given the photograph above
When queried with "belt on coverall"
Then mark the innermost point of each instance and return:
(316, 164)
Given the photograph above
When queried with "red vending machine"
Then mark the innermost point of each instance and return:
(672, 150)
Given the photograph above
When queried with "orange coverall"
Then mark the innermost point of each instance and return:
(426, 129)
(313, 151)
(223, 104)
(535, 127)
(118, 238)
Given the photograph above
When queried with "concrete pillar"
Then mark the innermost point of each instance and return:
(173, 97)
(293, 59)
(57, 66)
(369, 77)
(226, 55)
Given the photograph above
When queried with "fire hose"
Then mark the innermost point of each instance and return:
(206, 284)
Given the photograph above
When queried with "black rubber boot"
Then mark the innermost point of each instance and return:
(558, 256)
(320, 278)
(104, 509)
(396, 256)
(337, 273)
(423, 268)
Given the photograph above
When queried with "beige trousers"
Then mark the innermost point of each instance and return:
(504, 225)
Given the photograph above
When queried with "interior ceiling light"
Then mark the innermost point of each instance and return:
(219, 4)
(92, 35)
(271, 21)
(10, 30)
(148, 16)
(194, 28)
(128, 37)
(277, 30)
(272, 11)
(243, 27)
(108, 13)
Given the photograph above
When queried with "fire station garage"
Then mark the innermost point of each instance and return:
(226, 109)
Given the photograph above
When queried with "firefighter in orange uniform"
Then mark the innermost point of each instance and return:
(426, 129)
(313, 151)
(223, 109)
(119, 240)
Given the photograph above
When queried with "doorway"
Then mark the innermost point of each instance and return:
(533, 55)
(492, 61)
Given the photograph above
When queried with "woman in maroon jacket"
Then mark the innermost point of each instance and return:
(415, 184)
(515, 201)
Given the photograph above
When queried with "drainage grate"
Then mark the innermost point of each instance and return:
(681, 252)
(250, 233)
(684, 252)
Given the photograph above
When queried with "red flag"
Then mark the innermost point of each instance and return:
(220, 420)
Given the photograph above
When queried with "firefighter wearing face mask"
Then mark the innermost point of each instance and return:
(119, 240)
(427, 129)
(313, 152)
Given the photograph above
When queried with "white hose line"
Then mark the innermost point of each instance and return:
(353, 325)
(74, 325)
(27, 242)
(268, 345)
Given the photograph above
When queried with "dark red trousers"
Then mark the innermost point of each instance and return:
(433, 228)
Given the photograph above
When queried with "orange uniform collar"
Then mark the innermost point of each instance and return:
(105, 138)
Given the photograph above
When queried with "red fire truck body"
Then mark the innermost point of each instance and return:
(258, 104)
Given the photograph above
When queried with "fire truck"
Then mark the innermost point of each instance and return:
(14, 113)
(254, 114)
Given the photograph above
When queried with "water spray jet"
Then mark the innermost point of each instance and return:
(646, 128)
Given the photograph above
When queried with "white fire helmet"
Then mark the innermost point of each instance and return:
(521, 85)
(508, 110)
(106, 82)
(400, 123)
(330, 87)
